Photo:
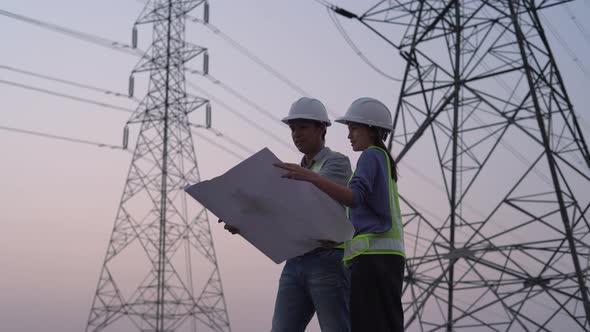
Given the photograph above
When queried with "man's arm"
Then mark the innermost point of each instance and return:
(337, 169)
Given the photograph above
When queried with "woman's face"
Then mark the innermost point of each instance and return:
(360, 136)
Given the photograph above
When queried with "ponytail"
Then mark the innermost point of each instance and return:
(380, 142)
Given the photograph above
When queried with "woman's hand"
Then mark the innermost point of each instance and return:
(339, 193)
(297, 172)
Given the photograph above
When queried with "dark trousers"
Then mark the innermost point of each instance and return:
(376, 293)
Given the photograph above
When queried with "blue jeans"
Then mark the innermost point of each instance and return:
(315, 282)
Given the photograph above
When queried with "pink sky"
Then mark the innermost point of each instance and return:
(58, 200)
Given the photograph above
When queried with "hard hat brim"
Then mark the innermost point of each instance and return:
(346, 120)
(303, 117)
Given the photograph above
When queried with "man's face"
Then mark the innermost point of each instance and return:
(306, 134)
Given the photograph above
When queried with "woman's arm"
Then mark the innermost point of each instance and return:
(337, 192)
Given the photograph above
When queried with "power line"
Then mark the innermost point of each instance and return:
(219, 146)
(128, 49)
(236, 94)
(133, 51)
(566, 46)
(247, 53)
(231, 140)
(356, 50)
(580, 27)
(223, 136)
(62, 138)
(325, 3)
(68, 82)
(252, 57)
(122, 46)
(572, 55)
(583, 121)
(119, 46)
(241, 116)
(67, 96)
(256, 59)
(108, 92)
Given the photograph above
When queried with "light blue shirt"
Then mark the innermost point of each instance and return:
(336, 166)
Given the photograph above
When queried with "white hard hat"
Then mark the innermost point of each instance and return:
(368, 111)
(308, 109)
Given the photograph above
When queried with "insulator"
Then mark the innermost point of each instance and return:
(125, 137)
(345, 13)
(206, 63)
(208, 116)
(206, 12)
(131, 85)
(134, 37)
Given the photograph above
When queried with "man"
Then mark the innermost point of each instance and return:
(316, 281)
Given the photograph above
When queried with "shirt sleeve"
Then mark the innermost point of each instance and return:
(363, 181)
(337, 169)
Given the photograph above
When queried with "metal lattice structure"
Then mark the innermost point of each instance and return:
(160, 272)
(483, 107)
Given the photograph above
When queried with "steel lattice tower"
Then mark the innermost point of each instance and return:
(483, 98)
(160, 272)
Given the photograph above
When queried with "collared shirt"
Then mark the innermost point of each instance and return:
(336, 166)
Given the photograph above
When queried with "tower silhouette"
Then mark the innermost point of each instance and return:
(160, 271)
(484, 116)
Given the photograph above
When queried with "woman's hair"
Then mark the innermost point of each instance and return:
(379, 136)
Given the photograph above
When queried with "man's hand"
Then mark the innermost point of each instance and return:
(231, 229)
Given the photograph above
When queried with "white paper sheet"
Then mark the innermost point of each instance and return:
(282, 218)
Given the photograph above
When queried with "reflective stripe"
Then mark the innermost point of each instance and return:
(398, 215)
(362, 245)
(346, 208)
(388, 243)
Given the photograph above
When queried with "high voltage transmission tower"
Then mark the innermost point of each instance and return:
(160, 271)
(482, 95)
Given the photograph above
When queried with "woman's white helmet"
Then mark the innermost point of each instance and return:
(307, 109)
(368, 111)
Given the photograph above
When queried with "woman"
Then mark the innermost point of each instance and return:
(376, 254)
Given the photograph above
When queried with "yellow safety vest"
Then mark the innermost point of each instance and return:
(316, 167)
(388, 243)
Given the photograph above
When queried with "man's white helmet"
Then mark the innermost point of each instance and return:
(308, 109)
(368, 111)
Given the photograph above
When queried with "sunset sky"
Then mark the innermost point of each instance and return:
(58, 199)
